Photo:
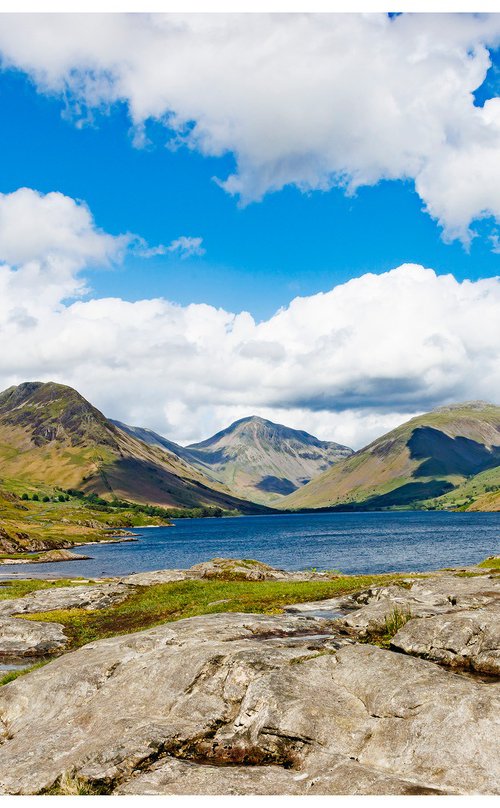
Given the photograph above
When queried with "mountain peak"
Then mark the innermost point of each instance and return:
(49, 411)
(263, 460)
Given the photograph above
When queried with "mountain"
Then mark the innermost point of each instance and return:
(256, 459)
(50, 434)
(431, 456)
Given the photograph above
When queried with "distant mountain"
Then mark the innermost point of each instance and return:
(431, 456)
(256, 459)
(50, 434)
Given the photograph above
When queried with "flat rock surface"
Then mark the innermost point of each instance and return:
(29, 638)
(188, 707)
(99, 596)
(422, 598)
(228, 568)
(171, 776)
(68, 597)
(467, 638)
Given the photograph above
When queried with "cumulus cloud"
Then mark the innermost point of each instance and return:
(45, 241)
(184, 247)
(346, 364)
(314, 100)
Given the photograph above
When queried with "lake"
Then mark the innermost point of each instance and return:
(350, 542)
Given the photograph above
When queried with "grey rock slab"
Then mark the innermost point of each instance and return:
(395, 714)
(176, 777)
(424, 598)
(457, 591)
(469, 639)
(29, 638)
(154, 577)
(68, 597)
(211, 689)
(223, 568)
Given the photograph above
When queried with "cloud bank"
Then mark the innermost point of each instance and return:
(313, 100)
(347, 364)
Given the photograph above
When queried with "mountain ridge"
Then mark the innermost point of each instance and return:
(255, 458)
(50, 433)
(425, 458)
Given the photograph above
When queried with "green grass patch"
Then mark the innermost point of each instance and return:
(12, 675)
(490, 563)
(153, 605)
(16, 589)
(393, 622)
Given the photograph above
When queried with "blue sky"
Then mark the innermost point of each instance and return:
(330, 137)
(259, 256)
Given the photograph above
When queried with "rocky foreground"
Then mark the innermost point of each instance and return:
(304, 702)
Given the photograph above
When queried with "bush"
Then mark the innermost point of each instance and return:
(25, 497)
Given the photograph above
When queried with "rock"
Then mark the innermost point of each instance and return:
(464, 639)
(20, 638)
(200, 705)
(223, 568)
(50, 555)
(154, 577)
(425, 597)
(456, 591)
(171, 776)
(67, 597)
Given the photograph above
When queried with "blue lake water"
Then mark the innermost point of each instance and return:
(350, 542)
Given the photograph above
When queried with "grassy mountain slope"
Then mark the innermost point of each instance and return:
(27, 526)
(256, 459)
(50, 434)
(478, 493)
(424, 458)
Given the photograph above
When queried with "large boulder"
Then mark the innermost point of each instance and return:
(374, 610)
(19, 638)
(67, 597)
(226, 695)
(463, 639)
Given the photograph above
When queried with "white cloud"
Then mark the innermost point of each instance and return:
(45, 240)
(346, 364)
(184, 247)
(315, 100)
(35, 226)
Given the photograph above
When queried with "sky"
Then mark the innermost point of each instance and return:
(204, 217)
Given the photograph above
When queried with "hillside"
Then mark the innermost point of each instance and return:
(423, 459)
(49, 434)
(256, 459)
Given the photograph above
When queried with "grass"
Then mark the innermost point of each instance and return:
(70, 785)
(12, 675)
(153, 605)
(490, 563)
(393, 622)
(16, 589)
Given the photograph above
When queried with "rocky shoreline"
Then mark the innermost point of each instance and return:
(394, 689)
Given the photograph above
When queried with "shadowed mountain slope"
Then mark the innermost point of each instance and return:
(255, 458)
(425, 458)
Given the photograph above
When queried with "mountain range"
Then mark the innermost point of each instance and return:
(51, 436)
(254, 458)
(446, 457)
